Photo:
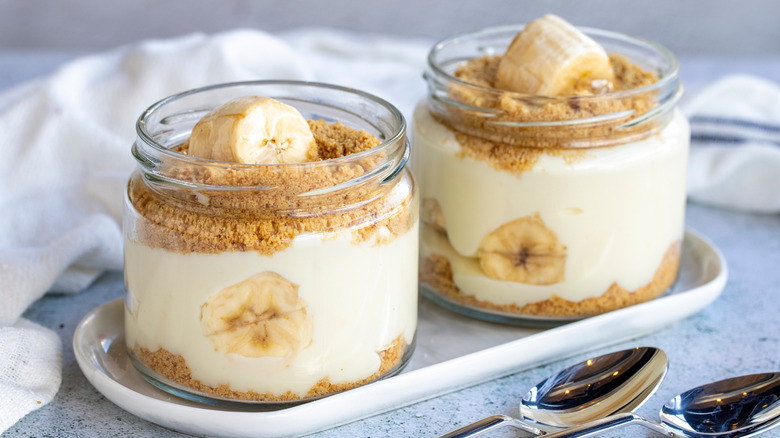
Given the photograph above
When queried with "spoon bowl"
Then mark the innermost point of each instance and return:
(737, 407)
(605, 385)
(599, 387)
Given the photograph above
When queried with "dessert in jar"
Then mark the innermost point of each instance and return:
(271, 242)
(552, 164)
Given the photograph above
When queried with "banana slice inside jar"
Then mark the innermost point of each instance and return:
(524, 250)
(262, 316)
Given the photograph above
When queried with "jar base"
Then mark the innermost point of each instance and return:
(494, 315)
(261, 402)
(437, 284)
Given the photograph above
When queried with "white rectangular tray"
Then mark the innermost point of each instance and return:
(452, 352)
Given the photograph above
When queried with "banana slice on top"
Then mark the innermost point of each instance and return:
(550, 57)
(254, 130)
(524, 251)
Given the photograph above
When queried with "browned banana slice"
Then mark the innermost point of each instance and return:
(524, 251)
(262, 316)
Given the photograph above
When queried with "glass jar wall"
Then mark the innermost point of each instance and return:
(546, 209)
(270, 283)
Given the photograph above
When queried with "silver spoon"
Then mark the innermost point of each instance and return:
(733, 408)
(602, 386)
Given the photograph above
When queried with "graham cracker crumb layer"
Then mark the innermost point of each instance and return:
(174, 367)
(266, 220)
(436, 272)
(483, 140)
(511, 158)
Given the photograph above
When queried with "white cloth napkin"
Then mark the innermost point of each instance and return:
(66, 159)
(29, 369)
(735, 144)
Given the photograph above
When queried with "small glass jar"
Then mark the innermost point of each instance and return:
(270, 283)
(546, 209)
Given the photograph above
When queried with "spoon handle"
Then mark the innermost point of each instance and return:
(608, 423)
(490, 423)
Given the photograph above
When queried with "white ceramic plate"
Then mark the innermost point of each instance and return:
(452, 352)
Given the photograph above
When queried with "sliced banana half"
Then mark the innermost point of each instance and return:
(254, 130)
(262, 316)
(550, 57)
(524, 251)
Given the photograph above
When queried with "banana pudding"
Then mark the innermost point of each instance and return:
(270, 246)
(552, 167)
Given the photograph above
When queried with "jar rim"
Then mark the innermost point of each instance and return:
(169, 120)
(486, 111)
(388, 143)
(670, 76)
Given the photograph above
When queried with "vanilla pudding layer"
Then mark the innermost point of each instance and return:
(617, 209)
(361, 298)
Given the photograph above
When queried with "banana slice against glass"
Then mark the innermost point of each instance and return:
(524, 250)
(262, 316)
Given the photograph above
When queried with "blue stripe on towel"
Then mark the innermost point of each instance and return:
(735, 122)
(727, 139)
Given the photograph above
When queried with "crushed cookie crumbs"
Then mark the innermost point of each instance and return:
(436, 272)
(489, 139)
(174, 368)
(266, 219)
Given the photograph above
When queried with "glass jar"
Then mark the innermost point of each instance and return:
(270, 283)
(547, 209)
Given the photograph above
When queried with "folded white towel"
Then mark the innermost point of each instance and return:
(30, 370)
(735, 144)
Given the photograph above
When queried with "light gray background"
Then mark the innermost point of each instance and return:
(701, 27)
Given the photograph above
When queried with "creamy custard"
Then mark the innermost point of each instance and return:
(552, 164)
(360, 304)
(271, 243)
(616, 209)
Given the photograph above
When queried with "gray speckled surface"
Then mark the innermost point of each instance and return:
(738, 334)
